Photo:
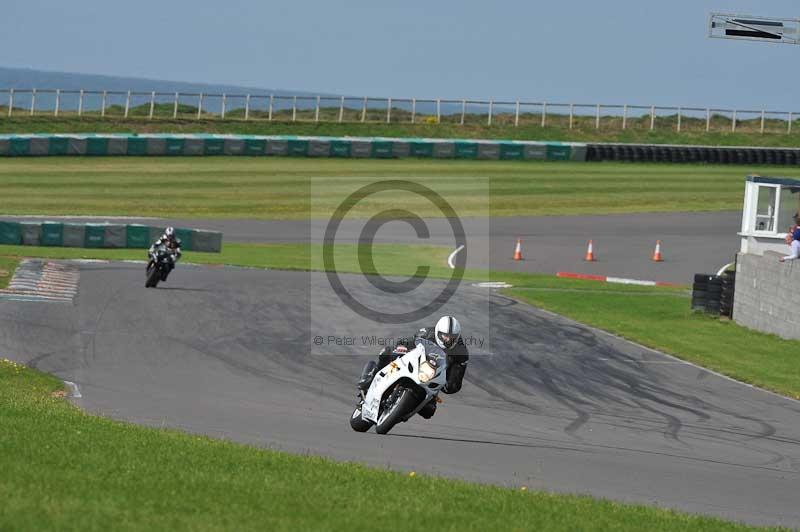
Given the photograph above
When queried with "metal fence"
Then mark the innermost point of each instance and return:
(308, 108)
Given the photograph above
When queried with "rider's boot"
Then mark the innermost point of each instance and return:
(429, 409)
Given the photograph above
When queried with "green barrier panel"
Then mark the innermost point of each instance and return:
(114, 236)
(512, 151)
(137, 146)
(214, 146)
(117, 146)
(74, 235)
(466, 150)
(19, 147)
(94, 236)
(58, 146)
(382, 149)
(39, 146)
(340, 148)
(185, 236)
(97, 146)
(194, 146)
(420, 149)
(400, 149)
(558, 153)
(31, 233)
(137, 236)
(255, 146)
(155, 234)
(233, 146)
(156, 146)
(206, 241)
(32, 145)
(298, 147)
(173, 146)
(52, 234)
(319, 148)
(10, 233)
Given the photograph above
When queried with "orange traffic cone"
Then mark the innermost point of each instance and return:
(657, 253)
(589, 252)
(518, 250)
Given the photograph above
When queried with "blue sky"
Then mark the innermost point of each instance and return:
(627, 51)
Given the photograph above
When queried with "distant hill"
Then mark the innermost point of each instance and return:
(23, 78)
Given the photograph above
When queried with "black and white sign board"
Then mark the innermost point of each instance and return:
(754, 28)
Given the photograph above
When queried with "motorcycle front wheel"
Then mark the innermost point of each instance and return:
(357, 423)
(401, 401)
(152, 277)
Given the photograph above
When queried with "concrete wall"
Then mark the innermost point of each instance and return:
(767, 296)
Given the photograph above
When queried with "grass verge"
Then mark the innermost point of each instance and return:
(7, 267)
(390, 259)
(584, 130)
(64, 469)
(661, 321)
(280, 188)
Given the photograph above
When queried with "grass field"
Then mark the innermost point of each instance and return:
(693, 133)
(63, 469)
(280, 188)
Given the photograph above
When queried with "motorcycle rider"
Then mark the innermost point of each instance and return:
(447, 335)
(173, 245)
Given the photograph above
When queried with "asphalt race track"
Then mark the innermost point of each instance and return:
(224, 351)
(623, 244)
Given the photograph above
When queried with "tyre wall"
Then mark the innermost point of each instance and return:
(692, 154)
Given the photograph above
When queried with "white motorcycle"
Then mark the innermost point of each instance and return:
(406, 386)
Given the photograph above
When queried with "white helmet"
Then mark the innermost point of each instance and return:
(448, 331)
(169, 232)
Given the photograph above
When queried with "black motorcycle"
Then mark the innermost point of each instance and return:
(160, 264)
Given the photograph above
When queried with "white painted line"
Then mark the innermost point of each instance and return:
(453, 256)
(622, 280)
(32, 299)
(636, 361)
(494, 284)
(78, 217)
(73, 390)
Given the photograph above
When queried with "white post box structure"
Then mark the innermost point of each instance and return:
(769, 206)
